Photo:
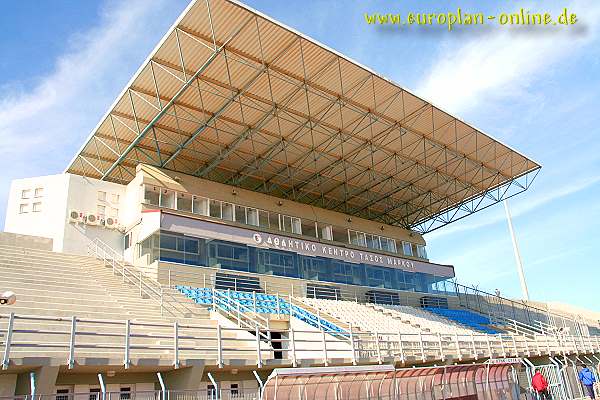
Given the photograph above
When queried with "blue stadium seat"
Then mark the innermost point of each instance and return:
(466, 317)
(231, 300)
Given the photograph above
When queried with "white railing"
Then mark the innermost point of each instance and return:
(205, 394)
(242, 315)
(169, 303)
(282, 286)
(73, 339)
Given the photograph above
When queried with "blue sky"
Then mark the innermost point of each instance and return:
(538, 90)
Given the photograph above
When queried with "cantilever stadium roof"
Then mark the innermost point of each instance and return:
(233, 96)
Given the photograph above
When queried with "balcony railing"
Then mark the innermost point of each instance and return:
(73, 340)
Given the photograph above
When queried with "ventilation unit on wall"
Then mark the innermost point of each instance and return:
(75, 216)
(110, 223)
(92, 219)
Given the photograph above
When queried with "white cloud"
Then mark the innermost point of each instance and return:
(504, 62)
(92, 60)
(41, 128)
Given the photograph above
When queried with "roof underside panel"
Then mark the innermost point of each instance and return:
(233, 96)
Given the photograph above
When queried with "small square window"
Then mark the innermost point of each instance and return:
(114, 212)
(37, 207)
(125, 393)
(62, 394)
(101, 210)
(39, 192)
(25, 194)
(114, 198)
(23, 208)
(101, 196)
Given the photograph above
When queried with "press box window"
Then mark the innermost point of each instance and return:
(407, 249)
(240, 214)
(151, 195)
(228, 212)
(184, 202)
(290, 224)
(200, 205)
(167, 199)
(252, 216)
(25, 193)
(215, 209)
(325, 232)
(388, 244)
(357, 238)
(373, 242)
(422, 252)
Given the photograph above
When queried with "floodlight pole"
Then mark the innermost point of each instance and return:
(524, 290)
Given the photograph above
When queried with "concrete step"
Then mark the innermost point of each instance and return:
(64, 285)
(41, 289)
(43, 259)
(49, 267)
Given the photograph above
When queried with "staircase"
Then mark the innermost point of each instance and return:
(59, 293)
(63, 285)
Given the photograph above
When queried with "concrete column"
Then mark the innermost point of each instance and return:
(45, 379)
(188, 378)
(8, 384)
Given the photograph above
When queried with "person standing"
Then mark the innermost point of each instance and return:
(587, 378)
(540, 385)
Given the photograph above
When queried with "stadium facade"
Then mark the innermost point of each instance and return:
(254, 200)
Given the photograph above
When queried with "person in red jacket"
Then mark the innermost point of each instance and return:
(540, 385)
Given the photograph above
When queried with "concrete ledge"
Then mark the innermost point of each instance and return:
(39, 361)
(27, 241)
(149, 362)
(238, 362)
(197, 362)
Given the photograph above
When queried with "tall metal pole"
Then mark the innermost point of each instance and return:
(524, 290)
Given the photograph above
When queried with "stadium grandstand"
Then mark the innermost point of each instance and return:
(246, 221)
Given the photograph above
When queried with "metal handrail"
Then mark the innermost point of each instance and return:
(60, 337)
(148, 287)
(242, 318)
(518, 326)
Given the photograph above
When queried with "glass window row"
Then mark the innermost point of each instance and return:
(199, 205)
(239, 257)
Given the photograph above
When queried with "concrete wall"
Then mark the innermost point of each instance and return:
(83, 196)
(30, 242)
(8, 382)
(46, 213)
(49, 222)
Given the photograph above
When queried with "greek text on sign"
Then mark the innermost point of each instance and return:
(320, 249)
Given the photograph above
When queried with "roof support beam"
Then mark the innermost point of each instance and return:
(212, 119)
(179, 92)
(353, 103)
